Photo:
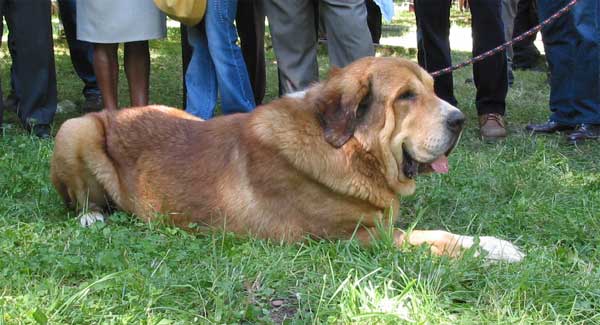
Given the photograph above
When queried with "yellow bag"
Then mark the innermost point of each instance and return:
(188, 12)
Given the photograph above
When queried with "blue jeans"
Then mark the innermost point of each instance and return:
(573, 51)
(217, 63)
(82, 53)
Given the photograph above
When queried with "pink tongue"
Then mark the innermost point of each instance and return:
(440, 165)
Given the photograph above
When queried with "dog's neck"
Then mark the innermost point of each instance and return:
(290, 125)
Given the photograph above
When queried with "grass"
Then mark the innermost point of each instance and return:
(536, 191)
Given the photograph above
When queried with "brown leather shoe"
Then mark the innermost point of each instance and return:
(492, 126)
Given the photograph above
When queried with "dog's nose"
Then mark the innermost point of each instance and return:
(455, 121)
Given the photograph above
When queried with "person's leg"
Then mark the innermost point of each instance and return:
(525, 54)
(232, 74)
(490, 75)
(186, 56)
(33, 62)
(560, 40)
(106, 68)
(82, 53)
(292, 26)
(318, 26)
(586, 98)
(348, 36)
(374, 20)
(572, 46)
(509, 12)
(200, 77)
(250, 23)
(137, 70)
(433, 29)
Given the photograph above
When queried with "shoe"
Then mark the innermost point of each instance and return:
(584, 132)
(548, 127)
(41, 131)
(492, 126)
(92, 103)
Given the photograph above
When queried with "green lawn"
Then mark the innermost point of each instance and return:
(536, 191)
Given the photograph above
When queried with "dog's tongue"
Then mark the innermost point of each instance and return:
(440, 165)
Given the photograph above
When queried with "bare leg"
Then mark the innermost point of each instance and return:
(106, 67)
(449, 244)
(137, 69)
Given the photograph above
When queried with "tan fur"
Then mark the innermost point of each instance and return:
(296, 167)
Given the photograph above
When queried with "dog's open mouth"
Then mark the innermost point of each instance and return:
(412, 168)
(440, 165)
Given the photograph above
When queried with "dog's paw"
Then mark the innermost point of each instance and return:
(89, 218)
(500, 250)
(496, 249)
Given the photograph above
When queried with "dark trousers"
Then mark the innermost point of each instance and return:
(32, 59)
(374, 20)
(250, 23)
(525, 54)
(573, 52)
(186, 56)
(490, 76)
(82, 53)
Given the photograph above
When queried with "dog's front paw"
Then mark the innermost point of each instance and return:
(500, 250)
(89, 218)
(496, 249)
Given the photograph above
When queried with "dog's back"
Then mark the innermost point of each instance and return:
(143, 160)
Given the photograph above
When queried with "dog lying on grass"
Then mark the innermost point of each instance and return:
(328, 162)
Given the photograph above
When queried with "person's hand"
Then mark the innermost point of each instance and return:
(463, 5)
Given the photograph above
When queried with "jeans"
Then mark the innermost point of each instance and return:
(217, 64)
(573, 51)
(82, 53)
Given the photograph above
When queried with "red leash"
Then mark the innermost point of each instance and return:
(502, 47)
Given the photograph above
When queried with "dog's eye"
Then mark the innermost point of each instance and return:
(408, 95)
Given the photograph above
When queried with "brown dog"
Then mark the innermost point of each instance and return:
(328, 162)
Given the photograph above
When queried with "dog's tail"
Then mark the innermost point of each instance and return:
(102, 164)
(82, 170)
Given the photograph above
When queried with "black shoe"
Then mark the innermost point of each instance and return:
(548, 127)
(41, 131)
(584, 132)
(92, 103)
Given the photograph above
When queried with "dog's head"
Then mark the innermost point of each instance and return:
(386, 109)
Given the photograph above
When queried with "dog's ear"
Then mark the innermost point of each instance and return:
(338, 108)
